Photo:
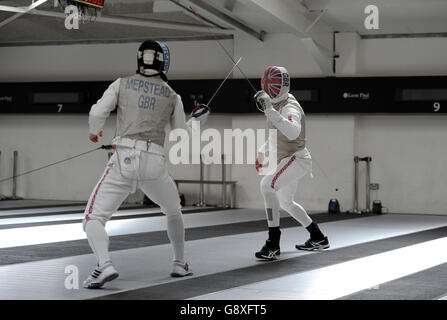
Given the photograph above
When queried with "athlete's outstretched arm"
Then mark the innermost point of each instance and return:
(103, 107)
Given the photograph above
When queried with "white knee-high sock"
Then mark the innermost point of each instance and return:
(298, 213)
(176, 234)
(98, 240)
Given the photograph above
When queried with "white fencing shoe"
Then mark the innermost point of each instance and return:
(100, 276)
(180, 269)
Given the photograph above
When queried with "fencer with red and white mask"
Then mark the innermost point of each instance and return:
(146, 107)
(294, 161)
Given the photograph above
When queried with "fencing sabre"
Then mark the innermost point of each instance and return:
(106, 147)
(222, 83)
(202, 20)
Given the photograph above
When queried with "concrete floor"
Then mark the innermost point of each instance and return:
(371, 257)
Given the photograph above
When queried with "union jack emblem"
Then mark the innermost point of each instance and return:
(272, 81)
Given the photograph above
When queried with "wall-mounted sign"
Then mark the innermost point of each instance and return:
(6, 99)
(356, 95)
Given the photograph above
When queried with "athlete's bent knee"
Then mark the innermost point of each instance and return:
(172, 210)
(90, 218)
(266, 186)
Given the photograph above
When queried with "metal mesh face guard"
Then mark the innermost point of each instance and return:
(153, 55)
(149, 56)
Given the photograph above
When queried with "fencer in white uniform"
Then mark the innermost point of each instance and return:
(147, 106)
(278, 187)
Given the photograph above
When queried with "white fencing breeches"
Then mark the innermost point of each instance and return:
(127, 170)
(278, 188)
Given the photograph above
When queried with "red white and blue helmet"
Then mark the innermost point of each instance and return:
(276, 83)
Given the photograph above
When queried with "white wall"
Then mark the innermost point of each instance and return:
(332, 168)
(277, 49)
(43, 139)
(408, 151)
(408, 160)
(189, 60)
(403, 57)
(97, 62)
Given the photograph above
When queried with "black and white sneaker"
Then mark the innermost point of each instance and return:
(100, 276)
(314, 245)
(270, 251)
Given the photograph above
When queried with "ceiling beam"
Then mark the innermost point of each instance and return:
(127, 8)
(316, 36)
(32, 6)
(292, 14)
(323, 60)
(229, 4)
(125, 21)
(110, 41)
(222, 14)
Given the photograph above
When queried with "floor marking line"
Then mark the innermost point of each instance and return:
(345, 278)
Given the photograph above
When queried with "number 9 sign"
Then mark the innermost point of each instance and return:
(436, 106)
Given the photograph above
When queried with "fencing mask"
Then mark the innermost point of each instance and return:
(153, 59)
(276, 83)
